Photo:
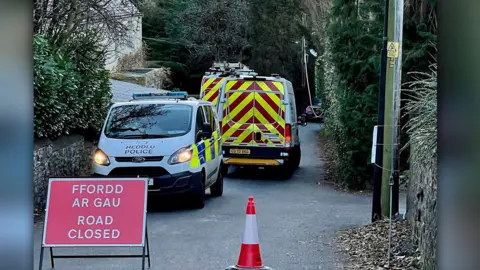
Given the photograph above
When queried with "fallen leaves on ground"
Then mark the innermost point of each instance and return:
(367, 246)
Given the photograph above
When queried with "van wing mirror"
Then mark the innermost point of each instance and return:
(207, 130)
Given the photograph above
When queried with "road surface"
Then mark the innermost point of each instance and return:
(296, 218)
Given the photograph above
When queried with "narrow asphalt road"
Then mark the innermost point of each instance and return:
(297, 219)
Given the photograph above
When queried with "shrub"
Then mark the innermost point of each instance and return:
(159, 78)
(71, 86)
(350, 68)
(178, 72)
(422, 186)
(422, 108)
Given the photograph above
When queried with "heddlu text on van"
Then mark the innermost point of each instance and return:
(139, 149)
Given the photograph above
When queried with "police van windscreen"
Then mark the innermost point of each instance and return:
(149, 121)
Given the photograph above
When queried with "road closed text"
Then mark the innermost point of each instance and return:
(94, 233)
(87, 226)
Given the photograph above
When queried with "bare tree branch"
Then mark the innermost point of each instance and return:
(63, 20)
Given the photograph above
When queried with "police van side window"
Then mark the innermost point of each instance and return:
(211, 117)
(292, 102)
(199, 122)
(214, 119)
(293, 111)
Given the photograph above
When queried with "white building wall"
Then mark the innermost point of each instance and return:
(118, 50)
(133, 20)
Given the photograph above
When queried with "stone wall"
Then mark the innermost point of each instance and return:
(67, 156)
(422, 209)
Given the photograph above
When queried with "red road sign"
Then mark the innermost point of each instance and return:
(95, 212)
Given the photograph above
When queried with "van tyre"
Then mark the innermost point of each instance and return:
(297, 156)
(291, 164)
(198, 201)
(286, 171)
(224, 169)
(217, 188)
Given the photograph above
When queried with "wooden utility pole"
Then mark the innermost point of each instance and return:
(389, 125)
(385, 179)
(377, 174)
(397, 84)
(304, 45)
(396, 57)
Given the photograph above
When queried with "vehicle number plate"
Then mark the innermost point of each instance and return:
(240, 151)
(150, 181)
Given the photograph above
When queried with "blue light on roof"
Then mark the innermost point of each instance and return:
(160, 95)
(180, 93)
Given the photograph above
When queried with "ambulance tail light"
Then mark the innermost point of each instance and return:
(288, 134)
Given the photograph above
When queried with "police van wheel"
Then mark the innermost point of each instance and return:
(286, 171)
(297, 157)
(217, 188)
(198, 201)
(224, 169)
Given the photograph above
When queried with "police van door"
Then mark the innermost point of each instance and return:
(293, 114)
(269, 114)
(211, 155)
(237, 121)
(200, 120)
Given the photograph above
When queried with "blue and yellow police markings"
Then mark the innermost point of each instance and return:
(207, 149)
(204, 151)
(201, 152)
(195, 162)
(216, 144)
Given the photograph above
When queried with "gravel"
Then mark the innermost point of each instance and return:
(366, 247)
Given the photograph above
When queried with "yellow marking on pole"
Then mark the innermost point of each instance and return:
(392, 49)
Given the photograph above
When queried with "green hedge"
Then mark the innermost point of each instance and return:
(71, 87)
(348, 79)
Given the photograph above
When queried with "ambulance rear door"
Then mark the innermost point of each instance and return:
(209, 90)
(253, 113)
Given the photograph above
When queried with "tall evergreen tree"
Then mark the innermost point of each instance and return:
(275, 37)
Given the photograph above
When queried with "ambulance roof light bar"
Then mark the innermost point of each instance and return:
(168, 95)
(224, 69)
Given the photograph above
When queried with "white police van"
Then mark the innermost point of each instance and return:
(171, 139)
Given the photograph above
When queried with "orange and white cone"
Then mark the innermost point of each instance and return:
(250, 257)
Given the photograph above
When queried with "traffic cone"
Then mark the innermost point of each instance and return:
(250, 257)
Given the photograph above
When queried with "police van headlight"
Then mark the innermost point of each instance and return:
(180, 156)
(101, 158)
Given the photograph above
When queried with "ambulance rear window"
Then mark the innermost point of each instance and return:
(149, 121)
